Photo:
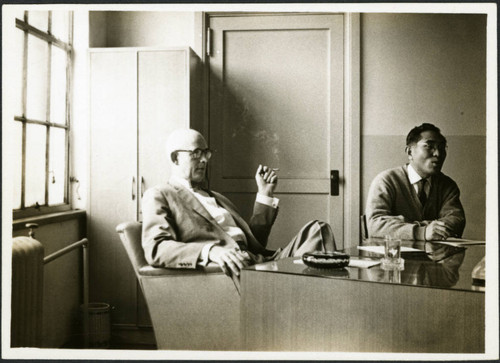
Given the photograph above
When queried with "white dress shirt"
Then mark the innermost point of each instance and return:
(415, 178)
(221, 215)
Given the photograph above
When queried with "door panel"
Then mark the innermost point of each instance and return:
(276, 98)
(267, 79)
(113, 161)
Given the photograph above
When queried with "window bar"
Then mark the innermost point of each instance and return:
(38, 122)
(23, 25)
(69, 76)
(47, 113)
(23, 105)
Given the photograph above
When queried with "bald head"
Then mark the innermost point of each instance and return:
(184, 139)
(179, 146)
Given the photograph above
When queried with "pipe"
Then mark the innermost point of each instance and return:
(84, 244)
(63, 251)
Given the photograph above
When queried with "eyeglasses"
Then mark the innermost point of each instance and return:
(433, 146)
(197, 153)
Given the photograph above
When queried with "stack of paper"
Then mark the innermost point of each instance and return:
(356, 262)
(380, 249)
(458, 242)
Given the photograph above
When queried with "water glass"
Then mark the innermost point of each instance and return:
(392, 254)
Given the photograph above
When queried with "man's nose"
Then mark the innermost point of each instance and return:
(439, 152)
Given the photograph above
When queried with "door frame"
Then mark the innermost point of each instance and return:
(351, 178)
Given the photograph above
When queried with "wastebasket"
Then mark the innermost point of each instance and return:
(98, 333)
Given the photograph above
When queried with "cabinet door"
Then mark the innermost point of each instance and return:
(276, 98)
(163, 83)
(163, 106)
(113, 178)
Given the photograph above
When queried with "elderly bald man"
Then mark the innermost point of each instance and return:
(186, 225)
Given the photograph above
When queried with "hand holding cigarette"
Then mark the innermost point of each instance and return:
(266, 179)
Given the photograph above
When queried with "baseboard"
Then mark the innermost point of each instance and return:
(128, 336)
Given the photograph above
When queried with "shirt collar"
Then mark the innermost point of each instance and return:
(181, 181)
(414, 177)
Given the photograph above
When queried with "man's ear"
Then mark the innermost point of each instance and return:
(173, 157)
(408, 151)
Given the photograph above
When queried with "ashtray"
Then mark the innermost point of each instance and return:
(326, 259)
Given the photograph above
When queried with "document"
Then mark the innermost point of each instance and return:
(359, 263)
(380, 249)
(459, 242)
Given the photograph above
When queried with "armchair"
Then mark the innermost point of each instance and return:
(190, 309)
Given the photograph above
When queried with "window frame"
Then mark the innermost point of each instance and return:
(50, 40)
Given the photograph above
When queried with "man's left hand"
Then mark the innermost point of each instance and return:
(267, 180)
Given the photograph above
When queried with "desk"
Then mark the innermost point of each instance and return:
(430, 307)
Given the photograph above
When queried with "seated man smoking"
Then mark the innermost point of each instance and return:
(186, 225)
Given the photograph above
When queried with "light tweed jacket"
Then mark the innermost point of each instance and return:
(176, 226)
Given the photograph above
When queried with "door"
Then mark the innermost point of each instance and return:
(276, 98)
(113, 179)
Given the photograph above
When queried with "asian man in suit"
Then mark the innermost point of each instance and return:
(186, 225)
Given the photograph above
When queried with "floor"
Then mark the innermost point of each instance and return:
(122, 338)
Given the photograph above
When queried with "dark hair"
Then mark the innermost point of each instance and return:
(415, 134)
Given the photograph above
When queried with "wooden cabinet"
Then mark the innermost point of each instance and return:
(137, 97)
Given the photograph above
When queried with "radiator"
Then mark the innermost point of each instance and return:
(27, 292)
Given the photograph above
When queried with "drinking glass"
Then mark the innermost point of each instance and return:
(392, 254)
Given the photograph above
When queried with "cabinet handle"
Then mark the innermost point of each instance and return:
(142, 186)
(133, 188)
(209, 42)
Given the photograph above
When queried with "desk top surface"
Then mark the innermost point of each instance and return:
(434, 265)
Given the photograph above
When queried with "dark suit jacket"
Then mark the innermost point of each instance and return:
(176, 226)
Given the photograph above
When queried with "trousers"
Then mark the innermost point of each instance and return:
(313, 236)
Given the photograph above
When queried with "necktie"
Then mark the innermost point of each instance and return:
(421, 191)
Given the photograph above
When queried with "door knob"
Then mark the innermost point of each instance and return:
(334, 182)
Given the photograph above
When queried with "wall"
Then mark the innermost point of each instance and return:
(142, 29)
(426, 68)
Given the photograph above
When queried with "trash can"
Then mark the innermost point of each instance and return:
(97, 329)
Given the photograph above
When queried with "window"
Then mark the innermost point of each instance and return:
(42, 118)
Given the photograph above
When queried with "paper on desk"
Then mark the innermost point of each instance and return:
(355, 262)
(380, 249)
(458, 242)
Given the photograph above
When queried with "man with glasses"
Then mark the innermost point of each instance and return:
(186, 225)
(416, 201)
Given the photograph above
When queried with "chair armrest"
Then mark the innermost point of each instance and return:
(211, 268)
